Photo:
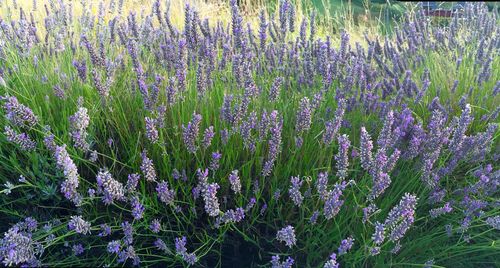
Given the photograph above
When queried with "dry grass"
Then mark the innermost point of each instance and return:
(329, 23)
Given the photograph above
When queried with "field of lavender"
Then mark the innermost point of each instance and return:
(128, 140)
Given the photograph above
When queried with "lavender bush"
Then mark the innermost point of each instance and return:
(134, 138)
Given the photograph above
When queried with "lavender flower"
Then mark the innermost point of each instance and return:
(304, 116)
(81, 68)
(210, 199)
(379, 234)
(345, 245)
(78, 249)
(190, 133)
(181, 65)
(214, 162)
(401, 217)
(396, 248)
(231, 216)
(132, 181)
(262, 29)
(386, 136)
(17, 247)
(250, 204)
(151, 131)
(114, 246)
(366, 149)
(79, 225)
(128, 232)
(298, 142)
(93, 156)
(314, 217)
(287, 235)
(274, 142)
(111, 188)
(128, 253)
(342, 156)
(458, 136)
(294, 191)
(332, 127)
(18, 114)
(234, 180)
(374, 251)
(105, 230)
(322, 184)
(160, 245)
(436, 212)
(155, 226)
(274, 91)
(332, 263)
(91, 192)
(333, 203)
(276, 263)
(79, 123)
(147, 167)
(208, 135)
(137, 208)
(493, 222)
(165, 194)
(180, 249)
(21, 139)
(70, 185)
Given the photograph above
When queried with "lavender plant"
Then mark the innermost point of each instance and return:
(188, 147)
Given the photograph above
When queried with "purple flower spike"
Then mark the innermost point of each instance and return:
(287, 235)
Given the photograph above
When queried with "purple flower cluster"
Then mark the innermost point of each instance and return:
(332, 127)
(132, 181)
(79, 225)
(436, 212)
(333, 203)
(210, 199)
(345, 245)
(17, 247)
(70, 185)
(342, 156)
(18, 114)
(180, 249)
(287, 235)
(147, 167)
(304, 116)
(332, 262)
(322, 185)
(111, 188)
(21, 139)
(190, 133)
(277, 263)
(165, 194)
(274, 91)
(276, 126)
(137, 208)
(231, 216)
(264, 91)
(114, 246)
(208, 135)
(155, 226)
(235, 182)
(151, 131)
(214, 162)
(401, 217)
(79, 123)
(294, 191)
